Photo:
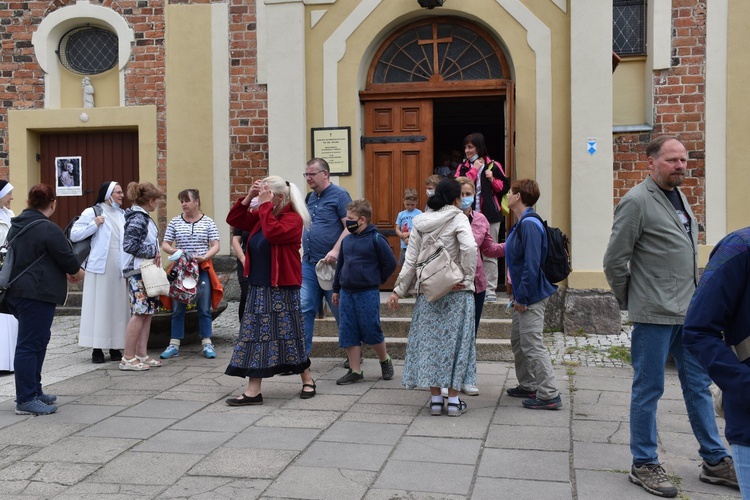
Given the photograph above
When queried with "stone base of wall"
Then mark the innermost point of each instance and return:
(579, 311)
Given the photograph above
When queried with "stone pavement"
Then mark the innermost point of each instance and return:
(167, 433)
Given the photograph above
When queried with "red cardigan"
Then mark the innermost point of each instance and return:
(283, 231)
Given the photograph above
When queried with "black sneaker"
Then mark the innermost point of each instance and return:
(653, 478)
(386, 367)
(722, 473)
(542, 404)
(351, 377)
(520, 392)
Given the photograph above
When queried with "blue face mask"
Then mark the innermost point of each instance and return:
(466, 202)
(114, 203)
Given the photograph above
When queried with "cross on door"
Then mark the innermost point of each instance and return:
(435, 41)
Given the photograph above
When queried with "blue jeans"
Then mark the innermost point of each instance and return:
(311, 295)
(742, 467)
(203, 305)
(34, 331)
(650, 346)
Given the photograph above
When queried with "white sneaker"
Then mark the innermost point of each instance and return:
(444, 392)
(470, 390)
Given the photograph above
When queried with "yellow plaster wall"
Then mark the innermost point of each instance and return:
(106, 89)
(24, 127)
(738, 116)
(189, 104)
(389, 16)
(629, 92)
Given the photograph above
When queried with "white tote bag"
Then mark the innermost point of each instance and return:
(154, 278)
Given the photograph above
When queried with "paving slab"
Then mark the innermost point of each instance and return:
(155, 408)
(438, 450)
(490, 488)
(273, 438)
(127, 427)
(176, 441)
(244, 463)
(365, 433)
(208, 421)
(87, 450)
(426, 477)
(210, 488)
(601, 456)
(353, 456)
(524, 437)
(520, 464)
(145, 468)
(320, 483)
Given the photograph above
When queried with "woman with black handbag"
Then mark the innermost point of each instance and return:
(42, 259)
(440, 351)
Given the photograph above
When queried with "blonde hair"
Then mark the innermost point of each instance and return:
(465, 181)
(291, 194)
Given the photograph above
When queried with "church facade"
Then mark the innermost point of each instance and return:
(215, 94)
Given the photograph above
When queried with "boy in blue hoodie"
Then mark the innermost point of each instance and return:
(365, 262)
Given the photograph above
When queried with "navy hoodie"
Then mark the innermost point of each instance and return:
(365, 262)
(45, 280)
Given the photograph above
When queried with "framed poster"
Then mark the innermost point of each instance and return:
(69, 176)
(334, 145)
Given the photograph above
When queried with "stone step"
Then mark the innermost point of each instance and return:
(399, 327)
(75, 299)
(487, 349)
(406, 308)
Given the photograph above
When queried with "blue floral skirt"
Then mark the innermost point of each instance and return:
(441, 350)
(272, 336)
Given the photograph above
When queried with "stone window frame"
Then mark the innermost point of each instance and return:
(51, 30)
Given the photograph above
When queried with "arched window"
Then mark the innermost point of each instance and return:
(438, 51)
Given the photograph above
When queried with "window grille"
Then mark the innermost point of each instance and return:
(629, 27)
(449, 52)
(88, 50)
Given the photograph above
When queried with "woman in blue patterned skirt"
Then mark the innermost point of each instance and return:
(272, 338)
(441, 351)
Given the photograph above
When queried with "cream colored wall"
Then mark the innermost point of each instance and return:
(629, 92)
(738, 117)
(24, 127)
(106, 89)
(189, 106)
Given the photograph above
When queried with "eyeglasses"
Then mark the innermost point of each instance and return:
(310, 176)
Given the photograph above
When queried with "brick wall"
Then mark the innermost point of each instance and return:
(22, 81)
(679, 109)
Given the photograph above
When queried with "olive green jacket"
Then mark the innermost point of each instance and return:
(651, 263)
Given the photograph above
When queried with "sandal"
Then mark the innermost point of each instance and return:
(308, 394)
(436, 409)
(149, 361)
(134, 365)
(456, 409)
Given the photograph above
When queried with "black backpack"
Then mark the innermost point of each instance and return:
(556, 265)
(81, 249)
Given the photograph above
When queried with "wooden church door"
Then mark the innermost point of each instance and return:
(398, 155)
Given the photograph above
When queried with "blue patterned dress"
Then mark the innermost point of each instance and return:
(440, 350)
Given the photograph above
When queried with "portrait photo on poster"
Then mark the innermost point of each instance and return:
(69, 173)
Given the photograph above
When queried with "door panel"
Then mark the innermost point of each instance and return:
(105, 156)
(392, 167)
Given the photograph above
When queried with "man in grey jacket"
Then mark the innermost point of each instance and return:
(651, 265)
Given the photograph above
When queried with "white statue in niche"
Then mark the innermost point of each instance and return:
(88, 93)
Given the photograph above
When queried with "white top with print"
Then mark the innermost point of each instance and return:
(192, 237)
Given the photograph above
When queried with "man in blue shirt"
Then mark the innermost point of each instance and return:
(717, 332)
(327, 205)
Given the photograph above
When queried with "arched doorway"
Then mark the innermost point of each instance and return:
(430, 84)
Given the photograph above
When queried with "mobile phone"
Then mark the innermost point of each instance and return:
(473, 158)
